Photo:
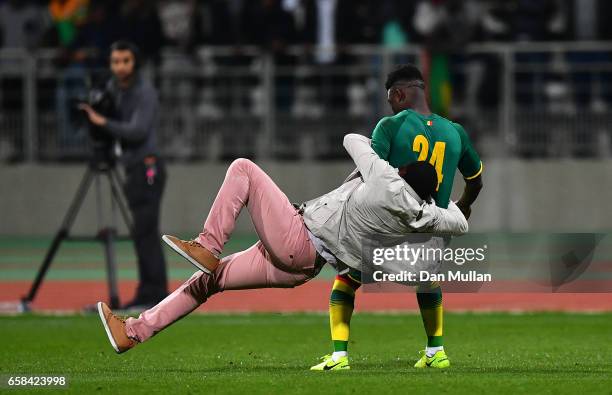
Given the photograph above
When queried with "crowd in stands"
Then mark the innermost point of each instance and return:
(274, 24)
(81, 31)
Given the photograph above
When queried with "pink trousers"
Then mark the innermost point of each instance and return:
(284, 257)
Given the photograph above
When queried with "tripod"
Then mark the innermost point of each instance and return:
(107, 235)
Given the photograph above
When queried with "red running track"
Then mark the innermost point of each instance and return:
(313, 296)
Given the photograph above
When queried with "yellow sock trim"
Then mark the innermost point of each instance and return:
(343, 287)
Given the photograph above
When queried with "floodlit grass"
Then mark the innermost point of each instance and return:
(271, 353)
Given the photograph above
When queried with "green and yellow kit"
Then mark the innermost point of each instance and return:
(410, 136)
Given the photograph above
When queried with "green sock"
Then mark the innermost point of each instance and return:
(430, 305)
(340, 345)
(434, 341)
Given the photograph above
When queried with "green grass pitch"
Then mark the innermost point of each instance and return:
(271, 353)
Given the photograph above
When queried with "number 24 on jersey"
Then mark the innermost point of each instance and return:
(421, 145)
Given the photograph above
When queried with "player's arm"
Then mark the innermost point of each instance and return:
(470, 193)
(367, 161)
(471, 168)
(381, 143)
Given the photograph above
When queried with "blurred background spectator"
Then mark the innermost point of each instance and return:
(139, 23)
(208, 58)
(68, 17)
(22, 27)
(524, 20)
(73, 30)
(23, 24)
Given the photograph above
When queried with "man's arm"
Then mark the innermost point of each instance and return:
(139, 125)
(354, 174)
(367, 161)
(134, 130)
(470, 193)
(448, 221)
(380, 143)
(471, 167)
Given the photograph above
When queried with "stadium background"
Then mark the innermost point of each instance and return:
(281, 82)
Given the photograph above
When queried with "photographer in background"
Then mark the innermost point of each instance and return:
(136, 106)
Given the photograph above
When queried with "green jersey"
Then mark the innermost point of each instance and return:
(409, 136)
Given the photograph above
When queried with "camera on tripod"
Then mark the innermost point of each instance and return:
(101, 166)
(101, 100)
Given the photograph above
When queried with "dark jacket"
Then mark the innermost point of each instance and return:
(135, 124)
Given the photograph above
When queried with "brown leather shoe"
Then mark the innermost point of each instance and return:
(115, 329)
(193, 251)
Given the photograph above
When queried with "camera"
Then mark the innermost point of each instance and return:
(102, 101)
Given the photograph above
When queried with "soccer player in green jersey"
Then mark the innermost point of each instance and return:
(412, 134)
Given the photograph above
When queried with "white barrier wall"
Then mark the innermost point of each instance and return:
(554, 195)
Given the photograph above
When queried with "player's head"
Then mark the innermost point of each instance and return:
(123, 59)
(405, 85)
(422, 178)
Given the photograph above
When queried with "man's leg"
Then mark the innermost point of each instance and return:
(341, 304)
(272, 214)
(429, 297)
(248, 269)
(144, 201)
(285, 256)
(151, 262)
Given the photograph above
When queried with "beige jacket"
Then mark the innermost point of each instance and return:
(379, 202)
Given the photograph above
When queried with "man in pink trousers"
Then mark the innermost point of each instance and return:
(293, 243)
